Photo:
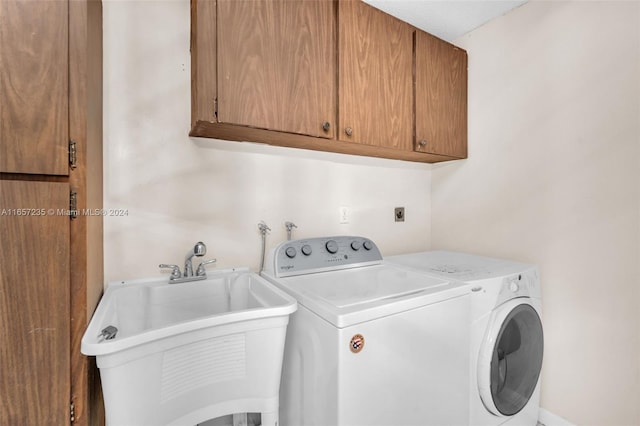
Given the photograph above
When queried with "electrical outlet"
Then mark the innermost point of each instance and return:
(399, 214)
(344, 215)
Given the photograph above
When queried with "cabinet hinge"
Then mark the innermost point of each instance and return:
(72, 412)
(73, 205)
(73, 155)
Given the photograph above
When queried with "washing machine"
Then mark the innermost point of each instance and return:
(371, 343)
(506, 333)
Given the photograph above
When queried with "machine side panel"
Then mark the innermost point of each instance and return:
(308, 390)
(413, 368)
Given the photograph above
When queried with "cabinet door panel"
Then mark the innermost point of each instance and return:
(375, 84)
(441, 97)
(34, 117)
(276, 63)
(34, 304)
(204, 77)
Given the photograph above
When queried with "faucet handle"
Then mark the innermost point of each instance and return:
(289, 226)
(262, 226)
(175, 270)
(201, 272)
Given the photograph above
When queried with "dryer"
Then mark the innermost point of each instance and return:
(371, 343)
(506, 346)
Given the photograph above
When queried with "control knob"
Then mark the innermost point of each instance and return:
(290, 252)
(306, 249)
(331, 246)
(368, 245)
(356, 245)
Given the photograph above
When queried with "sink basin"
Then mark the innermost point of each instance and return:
(150, 309)
(188, 352)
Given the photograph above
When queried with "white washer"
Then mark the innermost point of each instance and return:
(370, 343)
(506, 333)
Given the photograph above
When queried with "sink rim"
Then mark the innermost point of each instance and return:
(91, 346)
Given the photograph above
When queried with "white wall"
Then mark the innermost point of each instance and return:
(553, 178)
(179, 190)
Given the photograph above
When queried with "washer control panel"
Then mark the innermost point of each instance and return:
(325, 254)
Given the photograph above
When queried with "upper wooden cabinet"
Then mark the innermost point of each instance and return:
(327, 75)
(375, 80)
(34, 84)
(276, 65)
(441, 97)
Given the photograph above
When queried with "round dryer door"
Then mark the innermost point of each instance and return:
(510, 358)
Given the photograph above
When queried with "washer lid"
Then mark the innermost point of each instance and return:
(352, 296)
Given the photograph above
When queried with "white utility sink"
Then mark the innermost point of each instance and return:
(188, 352)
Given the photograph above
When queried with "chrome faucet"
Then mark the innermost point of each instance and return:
(198, 250)
(176, 276)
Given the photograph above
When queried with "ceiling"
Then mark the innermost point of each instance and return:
(447, 19)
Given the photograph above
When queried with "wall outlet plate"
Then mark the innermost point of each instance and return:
(399, 214)
(344, 215)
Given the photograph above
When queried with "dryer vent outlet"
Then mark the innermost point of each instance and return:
(399, 214)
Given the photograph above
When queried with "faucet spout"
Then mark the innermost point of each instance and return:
(198, 250)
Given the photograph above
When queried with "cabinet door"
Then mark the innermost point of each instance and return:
(277, 65)
(441, 97)
(34, 304)
(34, 113)
(376, 76)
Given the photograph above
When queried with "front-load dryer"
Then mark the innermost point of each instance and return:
(370, 343)
(506, 333)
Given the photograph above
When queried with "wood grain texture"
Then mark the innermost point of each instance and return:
(277, 65)
(232, 132)
(441, 97)
(85, 127)
(375, 77)
(204, 80)
(82, 21)
(34, 306)
(34, 131)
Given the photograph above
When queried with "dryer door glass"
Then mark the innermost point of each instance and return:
(516, 360)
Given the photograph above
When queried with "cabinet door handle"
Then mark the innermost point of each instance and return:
(422, 143)
(348, 131)
(325, 126)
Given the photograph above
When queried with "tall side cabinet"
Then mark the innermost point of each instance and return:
(50, 248)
